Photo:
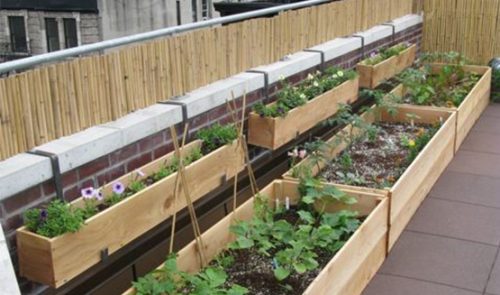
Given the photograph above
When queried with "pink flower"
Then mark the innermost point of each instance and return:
(88, 193)
(302, 154)
(118, 188)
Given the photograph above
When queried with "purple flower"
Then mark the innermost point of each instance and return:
(140, 173)
(373, 54)
(118, 188)
(88, 193)
(43, 215)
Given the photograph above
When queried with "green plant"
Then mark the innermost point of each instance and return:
(291, 97)
(57, 219)
(495, 85)
(385, 53)
(216, 136)
(345, 161)
(418, 143)
(170, 280)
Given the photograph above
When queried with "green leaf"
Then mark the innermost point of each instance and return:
(300, 268)
(281, 273)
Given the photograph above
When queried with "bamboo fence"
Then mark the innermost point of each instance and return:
(55, 100)
(471, 27)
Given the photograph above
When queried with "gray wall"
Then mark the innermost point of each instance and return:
(125, 17)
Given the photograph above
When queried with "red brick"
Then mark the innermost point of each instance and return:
(110, 175)
(12, 223)
(163, 150)
(93, 167)
(138, 161)
(147, 144)
(218, 112)
(71, 193)
(68, 179)
(198, 121)
(123, 154)
(22, 199)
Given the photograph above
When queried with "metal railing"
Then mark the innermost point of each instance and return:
(112, 43)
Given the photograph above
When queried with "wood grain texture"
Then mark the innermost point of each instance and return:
(371, 76)
(350, 269)
(413, 186)
(64, 257)
(273, 133)
(98, 88)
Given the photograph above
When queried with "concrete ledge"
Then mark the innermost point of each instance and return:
(296, 63)
(213, 95)
(145, 122)
(338, 47)
(376, 33)
(85, 146)
(9, 284)
(406, 22)
(21, 172)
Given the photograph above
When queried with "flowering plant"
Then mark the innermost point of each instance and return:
(379, 56)
(291, 97)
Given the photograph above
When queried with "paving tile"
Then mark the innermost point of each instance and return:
(442, 260)
(488, 124)
(476, 163)
(494, 282)
(392, 285)
(474, 189)
(458, 220)
(482, 142)
(493, 110)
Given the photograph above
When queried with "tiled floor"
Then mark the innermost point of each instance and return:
(451, 246)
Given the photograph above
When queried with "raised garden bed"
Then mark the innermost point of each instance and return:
(56, 260)
(469, 109)
(273, 132)
(371, 75)
(406, 181)
(347, 272)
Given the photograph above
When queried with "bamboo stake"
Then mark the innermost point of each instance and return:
(192, 212)
(176, 191)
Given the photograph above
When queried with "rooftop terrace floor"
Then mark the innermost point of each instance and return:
(451, 246)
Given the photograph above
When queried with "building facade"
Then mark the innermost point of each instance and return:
(30, 27)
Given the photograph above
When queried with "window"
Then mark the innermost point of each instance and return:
(70, 38)
(17, 29)
(52, 32)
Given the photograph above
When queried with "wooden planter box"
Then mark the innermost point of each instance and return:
(412, 187)
(372, 76)
(348, 272)
(55, 261)
(273, 133)
(471, 108)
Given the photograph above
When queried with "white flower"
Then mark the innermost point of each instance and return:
(310, 76)
(302, 96)
(318, 72)
(315, 84)
(340, 73)
(282, 77)
(334, 76)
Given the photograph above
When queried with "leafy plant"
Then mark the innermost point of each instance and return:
(291, 97)
(495, 85)
(216, 136)
(57, 219)
(170, 280)
(385, 53)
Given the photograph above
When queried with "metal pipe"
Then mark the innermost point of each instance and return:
(75, 51)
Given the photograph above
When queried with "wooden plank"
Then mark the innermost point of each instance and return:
(273, 133)
(371, 76)
(349, 270)
(113, 228)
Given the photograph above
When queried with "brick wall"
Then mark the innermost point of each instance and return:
(126, 159)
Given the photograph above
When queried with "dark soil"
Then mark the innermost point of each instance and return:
(377, 163)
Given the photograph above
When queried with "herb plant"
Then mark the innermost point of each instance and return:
(216, 136)
(291, 97)
(57, 219)
(385, 53)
